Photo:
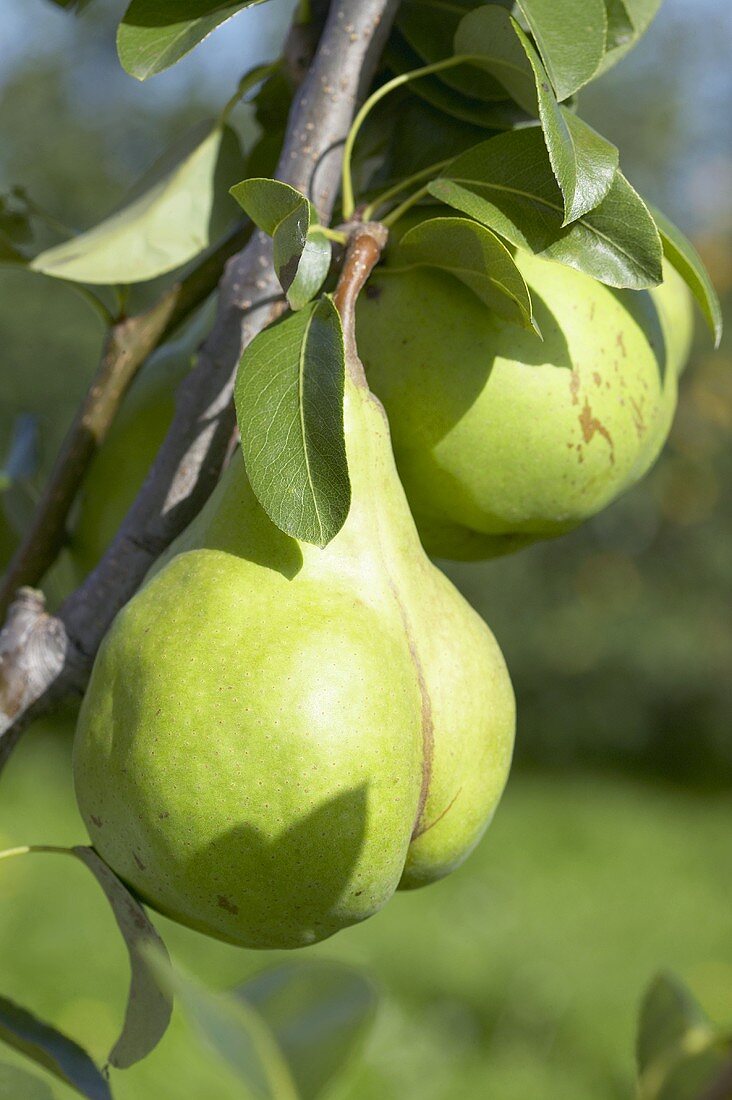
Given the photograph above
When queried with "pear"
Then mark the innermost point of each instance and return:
(501, 439)
(277, 736)
(121, 464)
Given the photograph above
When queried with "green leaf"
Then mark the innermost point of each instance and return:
(668, 1013)
(584, 163)
(507, 184)
(681, 253)
(236, 1033)
(570, 36)
(301, 253)
(166, 222)
(620, 29)
(149, 1005)
(703, 1075)
(474, 255)
(47, 1047)
(154, 34)
(319, 1013)
(289, 405)
(639, 14)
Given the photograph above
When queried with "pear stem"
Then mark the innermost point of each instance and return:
(365, 245)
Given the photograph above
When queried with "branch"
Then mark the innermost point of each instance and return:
(127, 345)
(189, 461)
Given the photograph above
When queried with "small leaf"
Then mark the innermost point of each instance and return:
(507, 184)
(16, 1084)
(570, 36)
(620, 29)
(47, 1047)
(166, 222)
(289, 405)
(681, 253)
(301, 254)
(584, 163)
(149, 1006)
(237, 1033)
(702, 1075)
(667, 1015)
(319, 1013)
(474, 255)
(154, 34)
(639, 13)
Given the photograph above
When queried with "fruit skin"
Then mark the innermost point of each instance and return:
(276, 736)
(121, 464)
(501, 439)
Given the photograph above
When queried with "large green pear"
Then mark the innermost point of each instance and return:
(277, 736)
(120, 466)
(501, 438)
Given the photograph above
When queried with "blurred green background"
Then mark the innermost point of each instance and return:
(611, 855)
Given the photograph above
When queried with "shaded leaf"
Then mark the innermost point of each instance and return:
(703, 1075)
(154, 34)
(620, 29)
(232, 1029)
(301, 253)
(289, 405)
(583, 162)
(640, 14)
(684, 257)
(667, 1014)
(319, 1013)
(570, 36)
(49, 1048)
(474, 255)
(149, 1006)
(166, 222)
(508, 185)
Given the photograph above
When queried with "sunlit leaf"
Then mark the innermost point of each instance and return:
(570, 36)
(508, 185)
(166, 222)
(154, 34)
(289, 404)
(474, 255)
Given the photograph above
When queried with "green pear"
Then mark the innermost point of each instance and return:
(120, 466)
(277, 736)
(501, 438)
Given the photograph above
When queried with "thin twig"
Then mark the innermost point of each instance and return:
(126, 347)
(190, 459)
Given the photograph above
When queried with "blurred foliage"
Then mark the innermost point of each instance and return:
(520, 976)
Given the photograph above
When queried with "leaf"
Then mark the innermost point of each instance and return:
(149, 1006)
(667, 1015)
(319, 1013)
(474, 255)
(289, 405)
(681, 253)
(508, 185)
(584, 163)
(570, 36)
(231, 1028)
(47, 1047)
(301, 253)
(16, 1084)
(166, 222)
(703, 1075)
(620, 29)
(640, 14)
(154, 34)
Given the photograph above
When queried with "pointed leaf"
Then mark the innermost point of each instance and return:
(639, 14)
(668, 1014)
(149, 1005)
(236, 1032)
(620, 29)
(474, 255)
(154, 34)
(681, 253)
(319, 1013)
(508, 185)
(301, 255)
(49, 1048)
(583, 162)
(570, 36)
(289, 405)
(166, 222)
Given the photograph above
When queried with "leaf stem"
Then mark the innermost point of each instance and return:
(391, 192)
(349, 203)
(393, 217)
(29, 849)
(336, 235)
